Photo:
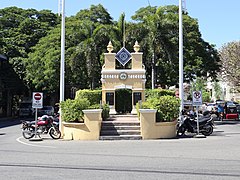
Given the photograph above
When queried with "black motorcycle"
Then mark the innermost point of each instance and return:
(190, 125)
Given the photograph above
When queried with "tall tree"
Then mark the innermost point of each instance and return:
(85, 43)
(159, 34)
(20, 30)
(230, 60)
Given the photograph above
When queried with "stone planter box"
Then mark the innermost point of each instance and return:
(89, 130)
(150, 129)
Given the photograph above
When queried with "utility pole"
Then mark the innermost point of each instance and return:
(181, 92)
(153, 73)
(62, 64)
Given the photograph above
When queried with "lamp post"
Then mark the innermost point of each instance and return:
(181, 92)
(62, 65)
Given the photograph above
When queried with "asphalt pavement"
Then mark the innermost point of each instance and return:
(215, 157)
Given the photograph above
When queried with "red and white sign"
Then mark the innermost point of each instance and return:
(37, 101)
(197, 98)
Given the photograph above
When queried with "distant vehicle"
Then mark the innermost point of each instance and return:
(231, 111)
(211, 107)
(238, 110)
(25, 109)
(46, 110)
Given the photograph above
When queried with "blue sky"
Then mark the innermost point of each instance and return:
(218, 19)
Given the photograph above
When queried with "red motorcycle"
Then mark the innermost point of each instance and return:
(45, 124)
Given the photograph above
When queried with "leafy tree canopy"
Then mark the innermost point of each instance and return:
(31, 39)
(157, 33)
(20, 30)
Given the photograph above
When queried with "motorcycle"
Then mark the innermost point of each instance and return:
(45, 125)
(190, 125)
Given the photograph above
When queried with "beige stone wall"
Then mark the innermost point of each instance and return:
(150, 129)
(89, 130)
(137, 60)
(109, 60)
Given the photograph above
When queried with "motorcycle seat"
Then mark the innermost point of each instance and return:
(203, 120)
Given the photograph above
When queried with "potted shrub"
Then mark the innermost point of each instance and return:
(81, 119)
(167, 108)
(72, 110)
(158, 117)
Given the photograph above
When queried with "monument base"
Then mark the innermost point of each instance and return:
(134, 111)
(112, 111)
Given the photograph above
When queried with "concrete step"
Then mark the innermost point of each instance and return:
(121, 137)
(120, 123)
(121, 127)
(112, 127)
(120, 132)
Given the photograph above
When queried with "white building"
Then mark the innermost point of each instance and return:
(228, 92)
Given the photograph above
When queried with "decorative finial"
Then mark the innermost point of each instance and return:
(136, 47)
(110, 47)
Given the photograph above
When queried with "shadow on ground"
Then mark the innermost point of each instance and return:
(9, 122)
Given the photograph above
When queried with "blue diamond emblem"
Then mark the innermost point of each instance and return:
(123, 56)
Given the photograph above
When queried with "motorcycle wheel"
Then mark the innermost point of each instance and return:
(27, 132)
(208, 130)
(55, 134)
(181, 131)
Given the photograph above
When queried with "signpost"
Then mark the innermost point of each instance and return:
(37, 102)
(197, 101)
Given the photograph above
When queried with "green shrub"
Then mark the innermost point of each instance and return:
(105, 112)
(151, 93)
(167, 107)
(72, 109)
(142, 105)
(94, 96)
(206, 97)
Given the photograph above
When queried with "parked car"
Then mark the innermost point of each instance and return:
(25, 109)
(46, 110)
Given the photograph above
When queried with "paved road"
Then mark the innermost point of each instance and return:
(215, 157)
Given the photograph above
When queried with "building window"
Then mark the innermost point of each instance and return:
(137, 96)
(110, 98)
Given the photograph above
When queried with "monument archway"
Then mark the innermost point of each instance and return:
(114, 78)
(123, 99)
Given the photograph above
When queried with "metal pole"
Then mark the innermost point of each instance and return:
(181, 91)
(197, 122)
(36, 122)
(153, 79)
(62, 65)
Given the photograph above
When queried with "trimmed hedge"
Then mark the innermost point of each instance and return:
(105, 110)
(156, 93)
(167, 107)
(85, 99)
(94, 96)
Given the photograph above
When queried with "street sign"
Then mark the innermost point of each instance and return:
(197, 98)
(37, 101)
